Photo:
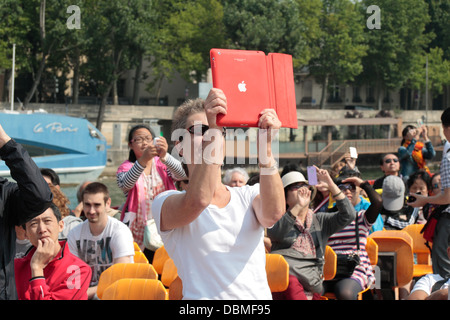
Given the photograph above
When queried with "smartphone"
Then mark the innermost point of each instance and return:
(353, 153)
(155, 142)
(419, 123)
(412, 198)
(312, 175)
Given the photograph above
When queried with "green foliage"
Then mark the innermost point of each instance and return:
(393, 48)
(329, 36)
(439, 12)
(186, 31)
(438, 72)
(341, 42)
(273, 26)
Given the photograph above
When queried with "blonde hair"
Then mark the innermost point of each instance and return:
(184, 111)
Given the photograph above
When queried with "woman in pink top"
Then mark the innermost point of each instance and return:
(142, 177)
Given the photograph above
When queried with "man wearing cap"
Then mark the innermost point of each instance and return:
(300, 236)
(440, 259)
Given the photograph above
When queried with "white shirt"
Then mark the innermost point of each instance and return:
(427, 282)
(220, 255)
(99, 252)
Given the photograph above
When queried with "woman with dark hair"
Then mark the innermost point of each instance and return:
(420, 182)
(143, 176)
(413, 153)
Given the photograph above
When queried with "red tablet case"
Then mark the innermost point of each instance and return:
(253, 81)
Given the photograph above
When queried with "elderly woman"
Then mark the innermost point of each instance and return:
(301, 235)
(235, 177)
(213, 232)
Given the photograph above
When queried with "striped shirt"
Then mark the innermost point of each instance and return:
(344, 242)
(127, 179)
(402, 224)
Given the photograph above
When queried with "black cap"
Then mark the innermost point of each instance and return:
(345, 173)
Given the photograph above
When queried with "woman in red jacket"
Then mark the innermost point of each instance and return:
(49, 271)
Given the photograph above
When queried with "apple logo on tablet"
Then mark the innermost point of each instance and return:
(242, 87)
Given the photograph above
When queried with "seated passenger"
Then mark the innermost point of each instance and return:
(49, 271)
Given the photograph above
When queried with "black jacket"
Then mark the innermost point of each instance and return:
(19, 202)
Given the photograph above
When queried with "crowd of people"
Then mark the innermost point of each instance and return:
(217, 226)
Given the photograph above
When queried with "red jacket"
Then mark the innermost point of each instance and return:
(66, 277)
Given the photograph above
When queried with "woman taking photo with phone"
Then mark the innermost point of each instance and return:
(413, 153)
(142, 177)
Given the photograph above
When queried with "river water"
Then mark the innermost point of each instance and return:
(117, 196)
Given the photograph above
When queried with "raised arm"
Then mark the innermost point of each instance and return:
(269, 205)
(32, 195)
(204, 177)
(375, 199)
(174, 165)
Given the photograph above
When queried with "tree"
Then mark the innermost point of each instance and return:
(341, 45)
(187, 30)
(52, 28)
(393, 49)
(273, 26)
(39, 30)
(111, 32)
(14, 26)
(439, 25)
(438, 72)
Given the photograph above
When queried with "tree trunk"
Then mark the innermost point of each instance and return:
(324, 93)
(76, 77)
(7, 86)
(158, 90)
(379, 96)
(137, 81)
(36, 81)
(101, 110)
(114, 93)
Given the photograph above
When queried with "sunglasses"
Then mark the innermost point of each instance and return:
(390, 160)
(196, 129)
(297, 186)
(347, 186)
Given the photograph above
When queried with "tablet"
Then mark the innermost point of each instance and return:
(253, 81)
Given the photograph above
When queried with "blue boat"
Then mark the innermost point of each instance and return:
(71, 146)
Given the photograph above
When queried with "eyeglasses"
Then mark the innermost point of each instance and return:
(140, 139)
(390, 160)
(436, 186)
(203, 128)
(347, 186)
